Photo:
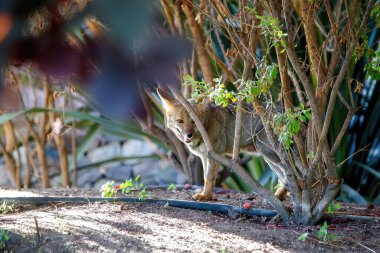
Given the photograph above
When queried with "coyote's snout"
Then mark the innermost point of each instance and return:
(220, 125)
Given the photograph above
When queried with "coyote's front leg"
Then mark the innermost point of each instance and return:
(210, 171)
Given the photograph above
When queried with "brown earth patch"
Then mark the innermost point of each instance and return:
(141, 227)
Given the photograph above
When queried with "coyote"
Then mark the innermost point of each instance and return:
(220, 126)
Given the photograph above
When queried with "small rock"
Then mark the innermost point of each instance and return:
(146, 167)
(119, 173)
(105, 152)
(102, 181)
(232, 214)
(89, 176)
(136, 148)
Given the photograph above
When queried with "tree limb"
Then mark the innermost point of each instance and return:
(199, 43)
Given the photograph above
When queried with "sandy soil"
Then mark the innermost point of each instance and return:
(141, 227)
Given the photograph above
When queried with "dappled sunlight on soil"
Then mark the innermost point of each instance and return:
(16, 193)
(142, 227)
(136, 228)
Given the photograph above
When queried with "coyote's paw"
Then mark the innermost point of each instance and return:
(202, 197)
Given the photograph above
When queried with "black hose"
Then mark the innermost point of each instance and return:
(203, 206)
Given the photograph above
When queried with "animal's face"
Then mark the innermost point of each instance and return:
(179, 122)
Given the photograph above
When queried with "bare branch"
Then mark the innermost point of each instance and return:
(338, 82)
(10, 165)
(311, 37)
(297, 87)
(239, 115)
(317, 119)
(229, 74)
(169, 16)
(343, 100)
(199, 43)
(342, 131)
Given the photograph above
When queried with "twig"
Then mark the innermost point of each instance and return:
(336, 85)
(74, 143)
(297, 87)
(293, 58)
(361, 245)
(343, 130)
(10, 164)
(358, 151)
(239, 114)
(169, 17)
(37, 232)
(199, 43)
(230, 75)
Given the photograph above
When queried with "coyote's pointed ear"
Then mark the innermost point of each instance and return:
(167, 102)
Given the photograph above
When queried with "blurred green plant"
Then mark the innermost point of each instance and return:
(108, 189)
(324, 234)
(5, 208)
(171, 187)
(3, 238)
(303, 237)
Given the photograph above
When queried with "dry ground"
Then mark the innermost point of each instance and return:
(140, 227)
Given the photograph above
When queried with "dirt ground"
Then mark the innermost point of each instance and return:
(141, 227)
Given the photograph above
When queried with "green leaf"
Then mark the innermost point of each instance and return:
(274, 72)
(322, 232)
(115, 159)
(9, 116)
(308, 115)
(354, 195)
(303, 118)
(303, 237)
(85, 144)
(297, 126)
(369, 169)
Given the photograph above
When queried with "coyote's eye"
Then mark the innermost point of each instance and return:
(192, 121)
(180, 121)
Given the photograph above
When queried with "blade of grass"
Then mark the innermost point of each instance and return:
(86, 142)
(369, 169)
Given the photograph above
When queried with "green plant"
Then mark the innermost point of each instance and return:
(143, 194)
(288, 124)
(303, 237)
(108, 189)
(219, 93)
(171, 187)
(128, 187)
(4, 208)
(3, 238)
(270, 28)
(323, 233)
(132, 185)
(334, 206)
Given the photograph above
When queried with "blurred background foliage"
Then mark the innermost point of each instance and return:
(76, 68)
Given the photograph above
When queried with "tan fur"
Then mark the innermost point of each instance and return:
(220, 126)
